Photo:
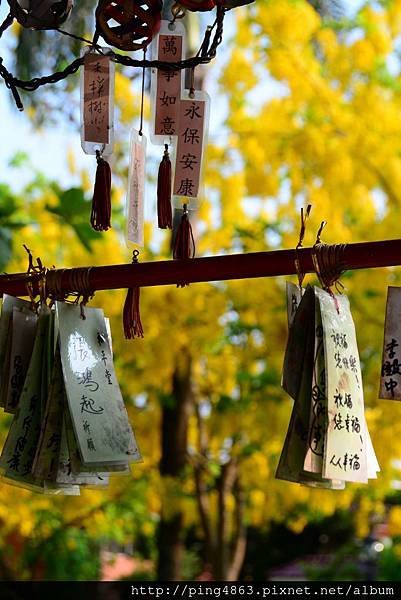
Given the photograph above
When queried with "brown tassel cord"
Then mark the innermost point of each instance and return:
(164, 212)
(101, 202)
(131, 315)
(184, 243)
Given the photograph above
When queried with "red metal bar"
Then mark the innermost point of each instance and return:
(365, 255)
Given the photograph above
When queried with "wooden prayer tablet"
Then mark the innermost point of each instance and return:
(96, 100)
(99, 417)
(167, 86)
(136, 189)
(390, 380)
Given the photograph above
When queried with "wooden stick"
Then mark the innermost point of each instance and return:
(365, 255)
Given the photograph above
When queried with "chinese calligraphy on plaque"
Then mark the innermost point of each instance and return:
(345, 453)
(70, 426)
(96, 98)
(136, 189)
(190, 146)
(97, 410)
(168, 86)
(390, 381)
(327, 441)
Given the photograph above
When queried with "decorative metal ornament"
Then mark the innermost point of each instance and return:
(128, 24)
(40, 14)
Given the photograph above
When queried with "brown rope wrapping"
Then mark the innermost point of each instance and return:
(79, 281)
(78, 284)
(329, 263)
(54, 284)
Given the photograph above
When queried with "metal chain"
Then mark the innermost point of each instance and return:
(201, 58)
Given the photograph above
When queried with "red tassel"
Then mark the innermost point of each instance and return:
(184, 243)
(131, 315)
(101, 202)
(164, 212)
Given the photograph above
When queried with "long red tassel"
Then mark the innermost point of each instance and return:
(164, 212)
(184, 243)
(101, 202)
(131, 314)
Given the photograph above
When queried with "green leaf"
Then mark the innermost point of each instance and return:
(73, 210)
(20, 159)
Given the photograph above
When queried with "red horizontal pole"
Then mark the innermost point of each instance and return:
(365, 255)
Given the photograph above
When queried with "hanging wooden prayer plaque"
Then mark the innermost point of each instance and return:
(76, 472)
(291, 462)
(294, 296)
(390, 381)
(291, 465)
(22, 440)
(97, 102)
(345, 452)
(21, 345)
(9, 302)
(191, 144)
(318, 402)
(327, 441)
(136, 190)
(297, 346)
(46, 460)
(55, 445)
(97, 410)
(167, 86)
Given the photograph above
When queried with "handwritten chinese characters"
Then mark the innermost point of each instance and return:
(189, 148)
(56, 444)
(96, 106)
(318, 409)
(390, 381)
(21, 341)
(46, 461)
(99, 418)
(327, 441)
(20, 448)
(136, 190)
(345, 453)
(168, 86)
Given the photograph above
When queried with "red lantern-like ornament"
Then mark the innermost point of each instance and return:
(128, 24)
(40, 14)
